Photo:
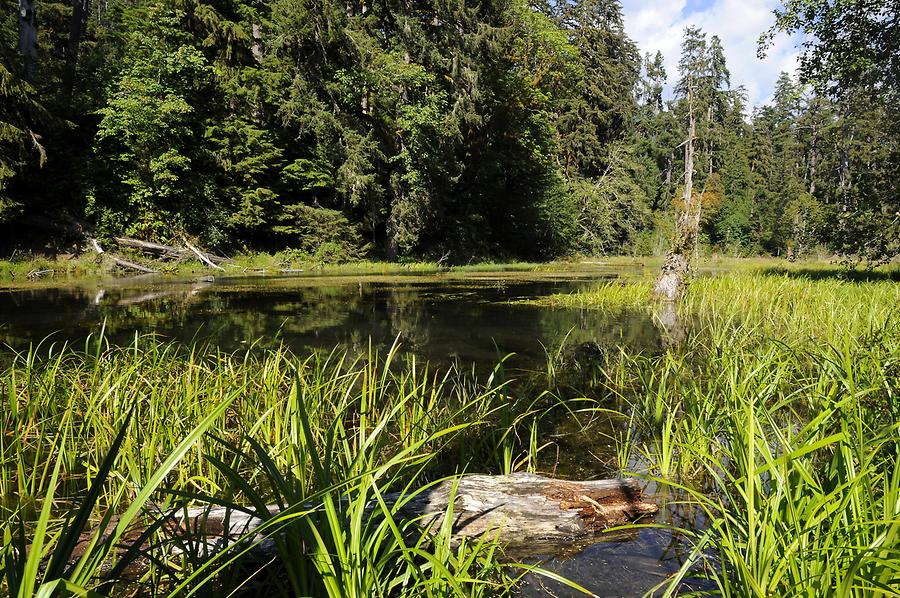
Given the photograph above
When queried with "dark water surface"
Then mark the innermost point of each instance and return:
(470, 319)
(474, 318)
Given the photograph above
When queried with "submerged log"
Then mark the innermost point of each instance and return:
(524, 512)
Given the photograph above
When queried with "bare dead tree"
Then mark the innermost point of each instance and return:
(671, 281)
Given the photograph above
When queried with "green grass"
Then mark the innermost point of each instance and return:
(805, 302)
(132, 429)
(35, 270)
(32, 269)
(777, 417)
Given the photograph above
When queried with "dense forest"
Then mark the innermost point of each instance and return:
(451, 129)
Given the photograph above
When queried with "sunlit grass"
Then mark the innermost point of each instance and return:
(324, 436)
(777, 416)
(806, 304)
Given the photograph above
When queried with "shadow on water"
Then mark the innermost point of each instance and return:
(836, 273)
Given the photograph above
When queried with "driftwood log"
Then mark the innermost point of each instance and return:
(169, 251)
(121, 262)
(526, 509)
(524, 512)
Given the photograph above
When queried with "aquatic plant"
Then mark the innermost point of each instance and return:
(777, 418)
(141, 430)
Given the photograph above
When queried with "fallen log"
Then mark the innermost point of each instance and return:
(166, 250)
(526, 513)
(201, 256)
(525, 509)
(35, 274)
(148, 246)
(121, 262)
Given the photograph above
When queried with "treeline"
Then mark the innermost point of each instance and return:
(808, 171)
(426, 128)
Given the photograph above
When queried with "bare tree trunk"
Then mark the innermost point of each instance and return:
(669, 162)
(670, 282)
(844, 173)
(80, 11)
(28, 38)
(709, 148)
(813, 163)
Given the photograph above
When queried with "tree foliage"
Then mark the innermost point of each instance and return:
(401, 129)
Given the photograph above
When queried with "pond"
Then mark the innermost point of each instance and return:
(471, 319)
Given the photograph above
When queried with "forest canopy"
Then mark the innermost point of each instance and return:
(429, 128)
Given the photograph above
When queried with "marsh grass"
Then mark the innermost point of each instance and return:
(99, 430)
(777, 418)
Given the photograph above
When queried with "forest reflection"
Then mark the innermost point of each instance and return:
(471, 321)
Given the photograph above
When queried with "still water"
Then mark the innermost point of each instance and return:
(473, 320)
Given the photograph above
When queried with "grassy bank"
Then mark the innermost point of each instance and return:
(775, 412)
(757, 290)
(139, 429)
(34, 269)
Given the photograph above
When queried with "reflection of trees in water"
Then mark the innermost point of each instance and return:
(214, 314)
(30, 315)
(409, 319)
(469, 321)
(602, 330)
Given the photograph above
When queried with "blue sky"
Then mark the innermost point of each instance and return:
(658, 25)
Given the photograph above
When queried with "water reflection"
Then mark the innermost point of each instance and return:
(667, 320)
(471, 320)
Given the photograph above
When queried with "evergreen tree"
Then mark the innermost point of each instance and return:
(508, 128)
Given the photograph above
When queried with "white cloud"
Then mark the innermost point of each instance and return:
(658, 25)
